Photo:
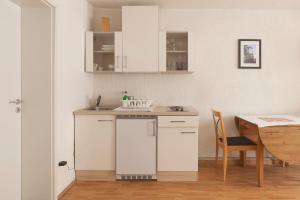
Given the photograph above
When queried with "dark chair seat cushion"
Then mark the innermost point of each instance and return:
(239, 141)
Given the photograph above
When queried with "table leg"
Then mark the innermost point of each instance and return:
(243, 158)
(260, 162)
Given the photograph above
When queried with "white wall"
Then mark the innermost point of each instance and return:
(73, 87)
(218, 83)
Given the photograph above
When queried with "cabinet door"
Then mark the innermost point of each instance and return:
(162, 51)
(140, 38)
(192, 52)
(118, 52)
(94, 142)
(89, 52)
(177, 149)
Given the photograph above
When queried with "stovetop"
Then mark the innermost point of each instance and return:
(177, 109)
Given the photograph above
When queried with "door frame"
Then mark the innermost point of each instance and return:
(52, 9)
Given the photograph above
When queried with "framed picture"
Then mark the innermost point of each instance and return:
(249, 54)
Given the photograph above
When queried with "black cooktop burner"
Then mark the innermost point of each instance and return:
(176, 108)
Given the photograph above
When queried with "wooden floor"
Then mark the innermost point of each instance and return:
(280, 183)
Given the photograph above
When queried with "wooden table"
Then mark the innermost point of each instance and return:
(279, 134)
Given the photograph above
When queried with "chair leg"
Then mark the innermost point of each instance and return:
(225, 157)
(217, 153)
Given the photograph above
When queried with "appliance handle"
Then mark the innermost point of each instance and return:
(188, 132)
(154, 128)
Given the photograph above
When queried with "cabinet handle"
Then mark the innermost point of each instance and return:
(177, 121)
(105, 120)
(117, 59)
(125, 61)
(186, 132)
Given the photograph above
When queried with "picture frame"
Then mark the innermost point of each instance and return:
(249, 53)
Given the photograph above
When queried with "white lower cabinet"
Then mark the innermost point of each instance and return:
(94, 142)
(177, 146)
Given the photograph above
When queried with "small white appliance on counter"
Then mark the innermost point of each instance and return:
(136, 138)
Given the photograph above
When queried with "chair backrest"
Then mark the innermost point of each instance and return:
(221, 135)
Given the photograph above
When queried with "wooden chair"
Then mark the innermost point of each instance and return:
(239, 143)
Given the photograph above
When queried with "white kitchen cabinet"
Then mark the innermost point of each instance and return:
(103, 52)
(177, 143)
(140, 38)
(94, 142)
(176, 52)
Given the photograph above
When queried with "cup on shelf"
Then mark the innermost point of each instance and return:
(110, 66)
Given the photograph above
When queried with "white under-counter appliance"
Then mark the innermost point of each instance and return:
(136, 149)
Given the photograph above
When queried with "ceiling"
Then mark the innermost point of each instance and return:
(204, 4)
(29, 3)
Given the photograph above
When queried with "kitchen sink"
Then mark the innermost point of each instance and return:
(103, 108)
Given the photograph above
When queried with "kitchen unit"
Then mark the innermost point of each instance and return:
(141, 47)
(174, 149)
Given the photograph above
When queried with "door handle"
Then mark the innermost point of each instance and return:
(17, 101)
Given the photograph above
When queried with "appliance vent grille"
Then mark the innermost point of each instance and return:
(135, 177)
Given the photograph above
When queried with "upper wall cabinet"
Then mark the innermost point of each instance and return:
(103, 52)
(140, 47)
(176, 52)
(140, 30)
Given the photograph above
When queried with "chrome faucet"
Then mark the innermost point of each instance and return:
(98, 101)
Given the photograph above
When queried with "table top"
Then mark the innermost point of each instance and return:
(271, 120)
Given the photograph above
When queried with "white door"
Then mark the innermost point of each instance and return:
(10, 87)
(140, 38)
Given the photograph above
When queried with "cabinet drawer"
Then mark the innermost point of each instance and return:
(178, 121)
(96, 118)
(177, 149)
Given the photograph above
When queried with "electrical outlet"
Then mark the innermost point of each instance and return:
(62, 163)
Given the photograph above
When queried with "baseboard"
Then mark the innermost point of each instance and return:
(177, 176)
(60, 195)
(87, 175)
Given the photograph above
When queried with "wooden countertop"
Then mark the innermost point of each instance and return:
(158, 110)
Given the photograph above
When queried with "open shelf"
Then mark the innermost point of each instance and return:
(104, 60)
(177, 51)
(104, 52)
